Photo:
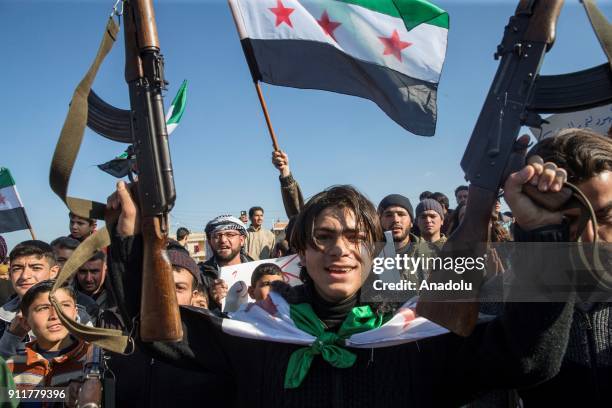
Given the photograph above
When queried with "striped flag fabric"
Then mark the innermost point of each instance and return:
(12, 213)
(388, 51)
(177, 108)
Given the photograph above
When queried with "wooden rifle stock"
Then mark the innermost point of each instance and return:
(90, 394)
(159, 317)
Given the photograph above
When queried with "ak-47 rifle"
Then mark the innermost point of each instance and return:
(517, 96)
(144, 127)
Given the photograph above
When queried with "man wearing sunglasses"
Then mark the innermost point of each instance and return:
(226, 236)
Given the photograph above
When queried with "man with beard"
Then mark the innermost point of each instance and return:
(396, 215)
(226, 236)
(91, 280)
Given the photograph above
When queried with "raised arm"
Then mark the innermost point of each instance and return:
(200, 348)
(290, 189)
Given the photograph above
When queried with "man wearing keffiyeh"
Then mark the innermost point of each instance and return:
(226, 235)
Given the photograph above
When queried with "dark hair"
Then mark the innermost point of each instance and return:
(3, 249)
(253, 209)
(203, 290)
(581, 152)
(461, 188)
(181, 233)
(289, 230)
(98, 256)
(454, 220)
(91, 221)
(425, 194)
(65, 243)
(42, 287)
(263, 270)
(442, 199)
(343, 196)
(33, 247)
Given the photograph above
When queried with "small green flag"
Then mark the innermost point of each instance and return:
(175, 112)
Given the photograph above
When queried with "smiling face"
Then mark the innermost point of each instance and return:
(26, 271)
(337, 262)
(43, 320)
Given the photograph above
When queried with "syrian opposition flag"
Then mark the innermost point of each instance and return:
(12, 213)
(388, 51)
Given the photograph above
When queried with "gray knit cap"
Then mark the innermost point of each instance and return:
(429, 204)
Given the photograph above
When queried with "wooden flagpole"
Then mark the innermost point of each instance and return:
(262, 102)
(29, 225)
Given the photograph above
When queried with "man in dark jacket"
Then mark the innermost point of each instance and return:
(145, 382)
(334, 236)
(585, 378)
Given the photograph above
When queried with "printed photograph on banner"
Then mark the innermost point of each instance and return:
(238, 278)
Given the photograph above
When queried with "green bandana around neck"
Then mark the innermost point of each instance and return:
(328, 344)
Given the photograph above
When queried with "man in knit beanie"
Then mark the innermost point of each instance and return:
(430, 217)
(396, 215)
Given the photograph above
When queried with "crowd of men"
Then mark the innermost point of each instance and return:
(530, 354)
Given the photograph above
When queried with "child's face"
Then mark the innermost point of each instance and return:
(26, 271)
(43, 319)
(199, 300)
(262, 287)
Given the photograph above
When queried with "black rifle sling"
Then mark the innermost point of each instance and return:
(62, 165)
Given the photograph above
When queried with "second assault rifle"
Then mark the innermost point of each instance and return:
(517, 96)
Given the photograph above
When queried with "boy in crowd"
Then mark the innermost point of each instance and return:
(81, 228)
(30, 262)
(200, 298)
(262, 278)
(54, 358)
(63, 247)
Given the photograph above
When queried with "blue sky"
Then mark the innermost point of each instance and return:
(221, 151)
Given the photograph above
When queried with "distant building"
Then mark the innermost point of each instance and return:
(278, 228)
(196, 245)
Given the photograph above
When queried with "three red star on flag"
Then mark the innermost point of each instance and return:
(394, 46)
(282, 13)
(327, 25)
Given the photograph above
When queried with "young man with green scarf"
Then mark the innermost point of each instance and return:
(318, 345)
